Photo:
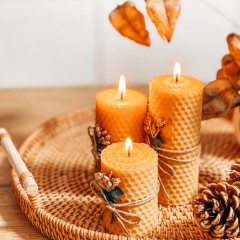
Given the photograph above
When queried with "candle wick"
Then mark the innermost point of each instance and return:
(176, 78)
(129, 151)
(121, 95)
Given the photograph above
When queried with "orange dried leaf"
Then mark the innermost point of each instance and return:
(233, 41)
(219, 97)
(129, 22)
(157, 12)
(164, 14)
(230, 70)
(173, 8)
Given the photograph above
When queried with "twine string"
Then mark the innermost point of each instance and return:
(121, 215)
(178, 151)
(172, 172)
(167, 165)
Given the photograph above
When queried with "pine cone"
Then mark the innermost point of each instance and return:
(217, 209)
(234, 174)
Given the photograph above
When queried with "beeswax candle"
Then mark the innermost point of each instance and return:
(124, 117)
(179, 101)
(139, 179)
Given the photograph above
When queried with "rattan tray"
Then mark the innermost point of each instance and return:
(59, 156)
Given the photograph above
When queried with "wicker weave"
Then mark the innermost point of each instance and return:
(59, 156)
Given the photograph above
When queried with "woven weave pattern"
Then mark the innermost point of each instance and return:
(59, 156)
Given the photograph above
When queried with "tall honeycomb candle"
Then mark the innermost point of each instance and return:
(138, 172)
(121, 114)
(178, 100)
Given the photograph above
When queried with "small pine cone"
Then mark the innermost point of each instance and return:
(234, 174)
(217, 209)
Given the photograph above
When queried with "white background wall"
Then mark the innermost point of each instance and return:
(71, 42)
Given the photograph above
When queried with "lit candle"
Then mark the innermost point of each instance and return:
(121, 112)
(178, 100)
(128, 146)
(122, 87)
(177, 71)
(137, 166)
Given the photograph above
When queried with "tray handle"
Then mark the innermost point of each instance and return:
(25, 176)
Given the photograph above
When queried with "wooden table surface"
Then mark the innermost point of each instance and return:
(22, 111)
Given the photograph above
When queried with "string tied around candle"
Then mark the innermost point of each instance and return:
(122, 216)
(195, 148)
(154, 138)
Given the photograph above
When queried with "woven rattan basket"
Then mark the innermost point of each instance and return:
(59, 156)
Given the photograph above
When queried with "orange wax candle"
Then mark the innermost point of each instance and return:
(178, 100)
(138, 171)
(121, 114)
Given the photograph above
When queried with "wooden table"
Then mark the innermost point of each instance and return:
(21, 111)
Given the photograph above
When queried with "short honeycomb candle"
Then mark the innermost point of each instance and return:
(178, 100)
(121, 114)
(138, 172)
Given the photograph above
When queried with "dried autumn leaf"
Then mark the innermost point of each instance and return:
(219, 97)
(230, 70)
(173, 8)
(157, 12)
(234, 46)
(164, 14)
(129, 22)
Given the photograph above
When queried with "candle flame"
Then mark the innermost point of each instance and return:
(177, 71)
(122, 87)
(128, 146)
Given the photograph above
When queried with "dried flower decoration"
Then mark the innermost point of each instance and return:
(102, 137)
(109, 187)
(154, 131)
(107, 181)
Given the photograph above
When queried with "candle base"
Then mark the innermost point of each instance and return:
(182, 186)
(181, 105)
(145, 227)
(178, 169)
(139, 183)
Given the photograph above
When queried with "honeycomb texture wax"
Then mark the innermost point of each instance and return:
(139, 179)
(121, 118)
(180, 104)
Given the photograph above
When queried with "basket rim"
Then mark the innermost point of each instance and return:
(64, 225)
(50, 217)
